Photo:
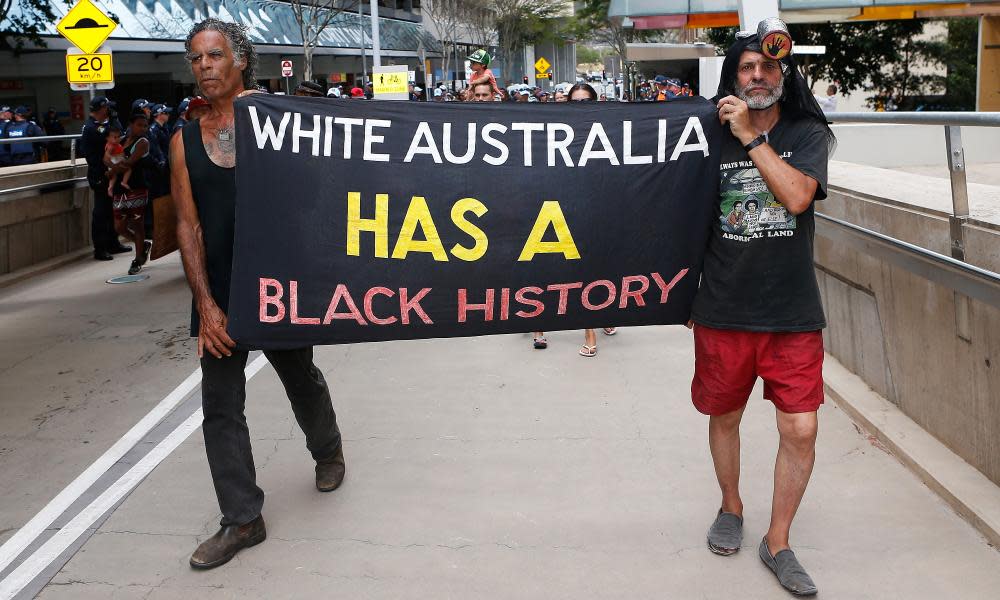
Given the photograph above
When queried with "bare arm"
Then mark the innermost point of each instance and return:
(212, 334)
(793, 188)
(484, 78)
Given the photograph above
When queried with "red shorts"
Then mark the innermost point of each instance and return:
(727, 363)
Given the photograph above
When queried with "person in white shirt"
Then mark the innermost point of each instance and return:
(828, 103)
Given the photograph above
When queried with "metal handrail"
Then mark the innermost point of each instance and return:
(959, 276)
(953, 119)
(74, 182)
(72, 137)
(41, 138)
(940, 268)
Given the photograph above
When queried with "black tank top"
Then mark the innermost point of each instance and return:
(214, 191)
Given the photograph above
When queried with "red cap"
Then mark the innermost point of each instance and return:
(198, 102)
(357, 93)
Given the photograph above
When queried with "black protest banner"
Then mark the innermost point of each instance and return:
(363, 221)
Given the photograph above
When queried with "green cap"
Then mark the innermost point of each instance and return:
(479, 56)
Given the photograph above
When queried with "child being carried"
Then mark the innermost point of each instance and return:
(114, 153)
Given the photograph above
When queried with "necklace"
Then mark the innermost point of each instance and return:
(225, 132)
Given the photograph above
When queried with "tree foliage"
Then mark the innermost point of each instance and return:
(892, 59)
(592, 23)
(448, 18)
(957, 52)
(313, 17)
(520, 22)
(24, 21)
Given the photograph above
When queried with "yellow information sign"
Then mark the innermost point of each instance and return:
(89, 68)
(86, 26)
(542, 65)
(390, 83)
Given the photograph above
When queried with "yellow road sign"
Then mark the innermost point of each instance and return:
(89, 68)
(543, 75)
(542, 65)
(86, 26)
(390, 83)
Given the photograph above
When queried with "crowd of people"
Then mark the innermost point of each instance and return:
(127, 165)
(21, 123)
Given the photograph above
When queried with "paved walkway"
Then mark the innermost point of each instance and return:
(477, 468)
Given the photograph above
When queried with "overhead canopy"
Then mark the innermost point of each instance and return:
(816, 10)
(267, 22)
(657, 52)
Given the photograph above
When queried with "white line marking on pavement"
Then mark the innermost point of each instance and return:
(46, 554)
(26, 572)
(33, 528)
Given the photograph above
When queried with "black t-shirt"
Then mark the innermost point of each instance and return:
(758, 273)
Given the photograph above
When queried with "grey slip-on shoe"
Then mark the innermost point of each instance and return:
(790, 573)
(726, 534)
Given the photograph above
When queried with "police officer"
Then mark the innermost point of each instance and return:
(53, 126)
(144, 105)
(159, 132)
(95, 133)
(22, 153)
(6, 115)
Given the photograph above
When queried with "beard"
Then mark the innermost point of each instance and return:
(758, 102)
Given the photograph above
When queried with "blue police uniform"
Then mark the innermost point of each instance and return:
(102, 224)
(22, 153)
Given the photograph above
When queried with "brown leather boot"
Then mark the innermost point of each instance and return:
(230, 539)
(330, 471)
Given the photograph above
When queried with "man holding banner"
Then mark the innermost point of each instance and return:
(758, 310)
(203, 183)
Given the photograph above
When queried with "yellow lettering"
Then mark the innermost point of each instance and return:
(458, 217)
(552, 213)
(418, 214)
(379, 225)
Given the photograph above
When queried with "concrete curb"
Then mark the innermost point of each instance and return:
(43, 267)
(970, 493)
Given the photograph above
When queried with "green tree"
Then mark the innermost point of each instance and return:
(520, 22)
(957, 51)
(24, 21)
(591, 22)
(878, 56)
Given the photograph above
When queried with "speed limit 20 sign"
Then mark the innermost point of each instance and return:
(89, 68)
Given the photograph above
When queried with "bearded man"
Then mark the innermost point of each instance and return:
(758, 311)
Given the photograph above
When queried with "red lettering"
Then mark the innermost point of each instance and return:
(406, 305)
(636, 295)
(585, 295)
(369, 295)
(352, 313)
(664, 287)
(275, 300)
(504, 304)
(538, 306)
(293, 301)
(564, 289)
(464, 307)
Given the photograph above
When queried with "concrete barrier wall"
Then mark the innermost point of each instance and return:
(36, 226)
(898, 331)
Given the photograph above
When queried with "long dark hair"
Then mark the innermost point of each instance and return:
(582, 86)
(796, 102)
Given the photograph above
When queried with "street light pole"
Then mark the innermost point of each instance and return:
(376, 46)
(361, 25)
